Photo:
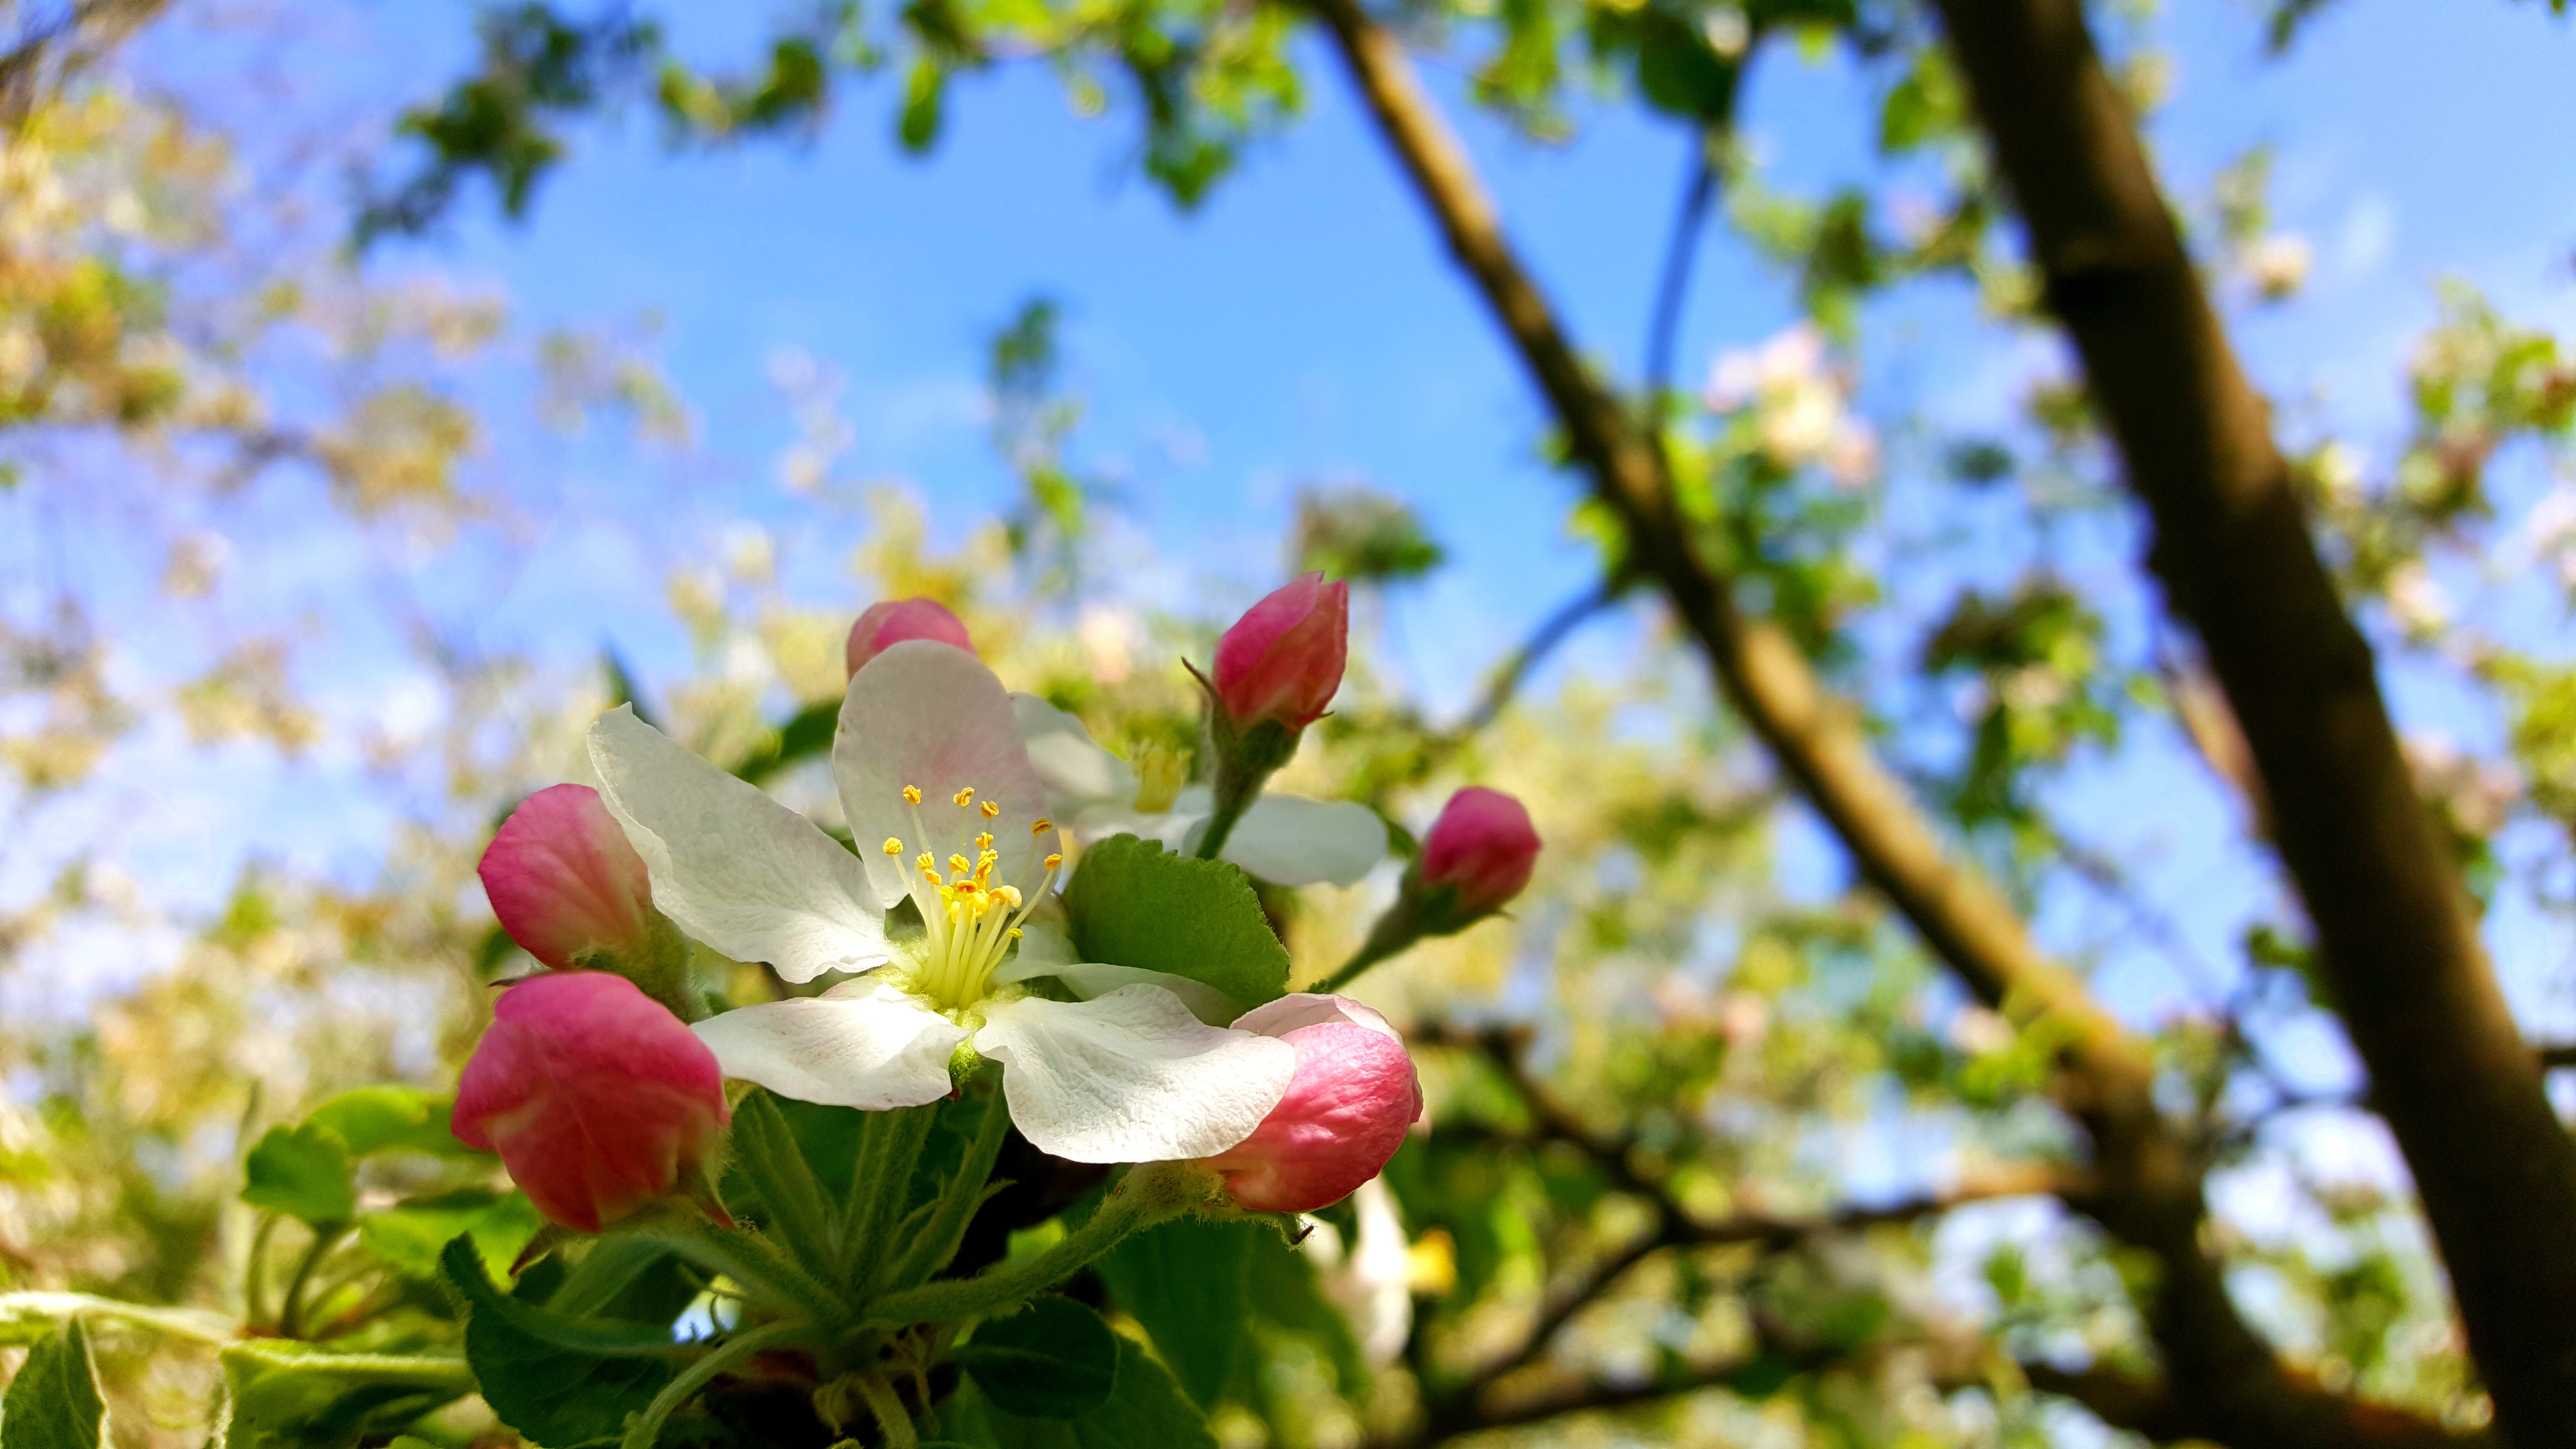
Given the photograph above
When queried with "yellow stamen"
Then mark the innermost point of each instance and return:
(990, 809)
(1053, 861)
(984, 841)
(957, 865)
(964, 797)
(1041, 826)
(893, 846)
(912, 794)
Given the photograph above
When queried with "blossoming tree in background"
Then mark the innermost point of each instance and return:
(881, 1032)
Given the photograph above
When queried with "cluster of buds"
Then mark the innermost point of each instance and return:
(601, 1100)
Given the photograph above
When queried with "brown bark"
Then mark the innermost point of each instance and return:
(2224, 1380)
(2449, 1070)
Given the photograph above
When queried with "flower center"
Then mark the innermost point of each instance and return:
(971, 921)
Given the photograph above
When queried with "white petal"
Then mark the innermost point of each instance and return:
(1098, 978)
(1103, 821)
(861, 1044)
(1290, 840)
(1132, 1076)
(736, 869)
(1307, 1008)
(930, 715)
(1078, 773)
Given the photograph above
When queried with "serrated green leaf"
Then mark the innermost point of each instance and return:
(1189, 1283)
(389, 1119)
(555, 1378)
(288, 1395)
(1133, 903)
(54, 1402)
(1146, 1410)
(304, 1172)
(1054, 1360)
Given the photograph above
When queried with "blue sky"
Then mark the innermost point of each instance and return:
(1304, 325)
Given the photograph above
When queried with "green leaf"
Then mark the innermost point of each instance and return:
(53, 1403)
(288, 1395)
(1189, 1283)
(1133, 903)
(555, 1378)
(1146, 1410)
(389, 1119)
(1056, 1360)
(408, 1236)
(304, 1172)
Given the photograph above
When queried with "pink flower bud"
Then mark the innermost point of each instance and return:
(1283, 659)
(596, 1097)
(563, 878)
(1347, 1109)
(892, 621)
(1483, 847)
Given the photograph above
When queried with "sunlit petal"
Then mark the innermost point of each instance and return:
(926, 715)
(1131, 1076)
(739, 871)
(861, 1044)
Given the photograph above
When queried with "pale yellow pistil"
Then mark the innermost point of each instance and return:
(971, 922)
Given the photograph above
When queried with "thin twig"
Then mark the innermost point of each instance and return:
(1689, 220)
(1674, 1225)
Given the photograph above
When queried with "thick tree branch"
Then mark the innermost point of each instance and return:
(2148, 1180)
(2495, 1170)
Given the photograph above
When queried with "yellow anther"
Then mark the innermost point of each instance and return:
(1015, 933)
(912, 794)
(893, 846)
(957, 865)
(964, 797)
(1041, 826)
(984, 841)
(1053, 861)
(990, 809)
(1010, 895)
(925, 860)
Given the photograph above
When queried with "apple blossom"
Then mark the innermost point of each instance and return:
(1482, 847)
(940, 793)
(891, 621)
(597, 1098)
(1354, 1097)
(1287, 840)
(1283, 660)
(563, 881)
(1475, 858)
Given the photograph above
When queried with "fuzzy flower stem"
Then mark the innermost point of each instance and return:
(1151, 1193)
(889, 1412)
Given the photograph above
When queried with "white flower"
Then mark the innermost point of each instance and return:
(1287, 840)
(939, 791)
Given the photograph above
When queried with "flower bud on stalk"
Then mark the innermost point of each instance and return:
(598, 1099)
(892, 621)
(568, 887)
(1354, 1097)
(1276, 672)
(1476, 858)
